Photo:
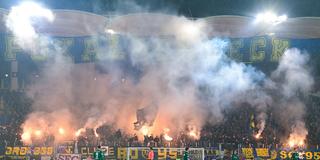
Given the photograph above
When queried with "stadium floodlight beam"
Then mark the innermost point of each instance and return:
(110, 31)
(270, 18)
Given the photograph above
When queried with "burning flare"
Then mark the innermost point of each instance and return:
(166, 136)
(298, 135)
(38, 133)
(193, 132)
(26, 137)
(61, 131)
(95, 132)
(145, 130)
(79, 131)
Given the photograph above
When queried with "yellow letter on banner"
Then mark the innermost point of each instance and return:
(122, 153)
(134, 154)
(248, 153)
(274, 154)
(114, 51)
(144, 153)
(90, 49)
(278, 48)
(9, 150)
(257, 48)
(173, 153)
(162, 153)
(283, 155)
(316, 155)
(309, 155)
(12, 48)
(111, 151)
(234, 51)
(49, 150)
(262, 152)
(23, 151)
(36, 150)
(16, 151)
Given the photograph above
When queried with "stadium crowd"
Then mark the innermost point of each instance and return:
(235, 129)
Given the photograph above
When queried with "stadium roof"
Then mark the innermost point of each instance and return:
(79, 23)
(188, 8)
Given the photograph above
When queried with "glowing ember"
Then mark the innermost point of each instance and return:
(193, 134)
(79, 131)
(38, 133)
(257, 136)
(291, 143)
(295, 142)
(298, 135)
(144, 130)
(61, 131)
(26, 136)
(166, 136)
(95, 133)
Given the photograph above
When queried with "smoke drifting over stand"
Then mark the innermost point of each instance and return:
(188, 76)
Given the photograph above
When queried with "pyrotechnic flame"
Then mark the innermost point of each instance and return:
(193, 133)
(26, 137)
(144, 130)
(79, 131)
(61, 131)
(257, 136)
(95, 132)
(166, 136)
(298, 135)
(295, 141)
(38, 133)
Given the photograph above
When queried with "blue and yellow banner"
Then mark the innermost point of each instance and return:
(140, 153)
(115, 47)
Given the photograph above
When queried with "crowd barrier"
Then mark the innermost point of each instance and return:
(83, 152)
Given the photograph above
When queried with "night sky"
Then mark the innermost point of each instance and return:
(189, 8)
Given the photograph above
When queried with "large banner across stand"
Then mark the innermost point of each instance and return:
(68, 153)
(115, 47)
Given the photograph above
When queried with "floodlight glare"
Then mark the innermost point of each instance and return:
(270, 18)
(110, 31)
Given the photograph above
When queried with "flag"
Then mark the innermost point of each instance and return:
(146, 116)
(252, 124)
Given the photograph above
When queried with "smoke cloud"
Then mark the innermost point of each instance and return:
(23, 20)
(188, 76)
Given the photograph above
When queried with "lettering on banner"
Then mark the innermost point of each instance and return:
(316, 155)
(22, 151)
(68, 157)
(12, 48)
(262, 152)
(162, 153)
(173, 154)
(257, 49)
(248, 153)
(278, 48)
(234, 50)
(134, 154)
(274, 154)
(90, 49)
(122, 153)
(144, 153)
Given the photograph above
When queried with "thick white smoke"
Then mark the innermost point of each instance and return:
(294, 80)
(22, 22)
(188, 76)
